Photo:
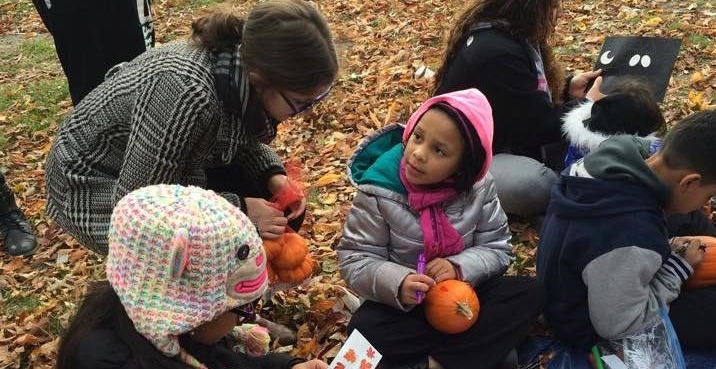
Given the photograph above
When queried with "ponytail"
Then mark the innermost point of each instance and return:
(217, 30)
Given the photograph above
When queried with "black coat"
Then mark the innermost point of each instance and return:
(502, 67)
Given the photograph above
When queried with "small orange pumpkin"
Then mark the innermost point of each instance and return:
(298, 274)
(272, 248)
(294, 249)
(705, 273)
(451, 306)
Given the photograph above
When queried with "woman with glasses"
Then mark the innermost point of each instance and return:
(194, 112)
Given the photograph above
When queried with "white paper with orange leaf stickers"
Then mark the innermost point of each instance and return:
(356, 353)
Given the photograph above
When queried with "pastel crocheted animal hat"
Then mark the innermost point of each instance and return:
(179, 257)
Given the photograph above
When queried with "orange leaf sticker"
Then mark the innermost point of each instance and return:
(365, 364)
(350, 356)
(370, 353)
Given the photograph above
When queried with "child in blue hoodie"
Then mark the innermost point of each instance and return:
(630, 108)
(425, 188)
(605, 257)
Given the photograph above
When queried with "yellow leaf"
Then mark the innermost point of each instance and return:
(327, 179)
(696, 101)
(329, 199)
(653, 22)
(697, 77)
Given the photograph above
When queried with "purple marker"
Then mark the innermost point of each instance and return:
(419, 295)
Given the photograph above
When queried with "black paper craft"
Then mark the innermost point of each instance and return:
(648, 58)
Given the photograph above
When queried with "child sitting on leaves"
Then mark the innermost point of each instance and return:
(183, 268)
(630, 108)
(425, 188)
(605, 258)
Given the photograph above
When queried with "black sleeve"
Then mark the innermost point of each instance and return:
(220, 356)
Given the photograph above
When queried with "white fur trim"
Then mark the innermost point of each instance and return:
(576, 132)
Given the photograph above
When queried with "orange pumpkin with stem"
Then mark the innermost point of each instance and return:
(451, 306)
(705, 273)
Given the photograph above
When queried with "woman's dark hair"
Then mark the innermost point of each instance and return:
(473, 159)
(286, 42)
(533, 20)
(102, 308)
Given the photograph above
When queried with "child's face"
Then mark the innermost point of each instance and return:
(690, 194)
(434, 149)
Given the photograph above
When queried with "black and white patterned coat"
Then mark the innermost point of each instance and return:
(156, 119)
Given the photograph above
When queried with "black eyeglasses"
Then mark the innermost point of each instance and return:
(300, 109)
(244, 314)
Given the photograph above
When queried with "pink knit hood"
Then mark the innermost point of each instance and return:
(471, 103)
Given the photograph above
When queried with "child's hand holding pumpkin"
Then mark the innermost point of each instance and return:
(411, 285)
(440, 270)
(692, 249)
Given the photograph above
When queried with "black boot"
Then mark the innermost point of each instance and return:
(16, 232)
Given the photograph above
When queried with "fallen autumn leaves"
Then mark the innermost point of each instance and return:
(382, 43)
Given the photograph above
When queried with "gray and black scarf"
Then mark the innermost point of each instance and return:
(243, 111)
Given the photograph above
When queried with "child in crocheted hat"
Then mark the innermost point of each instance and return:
(182, 263)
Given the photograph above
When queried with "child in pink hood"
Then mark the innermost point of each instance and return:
(424, 189)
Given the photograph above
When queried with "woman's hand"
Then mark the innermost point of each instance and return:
(275, 184)
(440, 270)
(412, 284)
(313, 364)
(579, 83)
(595, 93)
(269, 221)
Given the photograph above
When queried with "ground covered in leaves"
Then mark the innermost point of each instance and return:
(382, 43)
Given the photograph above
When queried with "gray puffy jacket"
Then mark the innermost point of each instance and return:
(382, 237)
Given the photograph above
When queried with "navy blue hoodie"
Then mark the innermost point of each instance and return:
(604, 255)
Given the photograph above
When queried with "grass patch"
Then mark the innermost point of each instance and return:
(570, 49)
(700, 40)
(54, 326)
(200, 3)
(20, 304)
(35, 105)
(675, 26)
(29, 55)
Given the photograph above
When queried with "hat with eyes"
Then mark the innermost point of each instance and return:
(179, 257)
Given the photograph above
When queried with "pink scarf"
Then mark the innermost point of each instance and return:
(440, 238)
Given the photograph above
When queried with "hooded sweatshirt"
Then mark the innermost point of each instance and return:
(382, 237)
(604, 257)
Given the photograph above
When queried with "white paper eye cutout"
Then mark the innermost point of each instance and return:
(645, 61)
(637, 59)
(605, 58)
(634, 60)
